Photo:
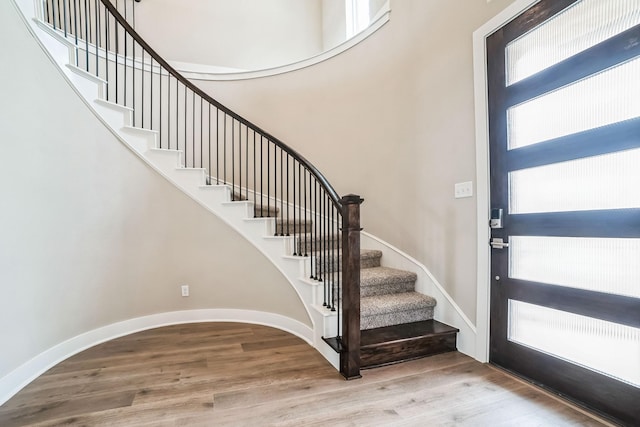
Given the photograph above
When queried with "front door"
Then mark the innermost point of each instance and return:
(564, 125)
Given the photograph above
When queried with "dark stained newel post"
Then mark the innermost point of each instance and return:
(350, 357)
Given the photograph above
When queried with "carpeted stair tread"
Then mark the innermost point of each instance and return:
(395, 303)
(310, 242)
(284, 226)
(375, 276)
(387, 310)
(369, 258)
(262, 211)
(385, 280)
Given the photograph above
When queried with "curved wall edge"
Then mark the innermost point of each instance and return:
(17, 379)
(207, 73)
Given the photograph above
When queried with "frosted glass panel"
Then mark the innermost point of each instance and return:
(595, 264)
(578, 28)
(608, 181)
(605, 347)
(608, 97)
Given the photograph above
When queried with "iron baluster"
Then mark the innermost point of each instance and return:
(233, 160)
(97, 38)
(246, 161)
(304, 194)
(209, 141)
(86, 37)
(282, 195)
(55, 11)
(141, 89)
(106, 49)
(64, 15)
(255, 197)
(286, 196)
(184, 141)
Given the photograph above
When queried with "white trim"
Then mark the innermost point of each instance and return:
(17, 379)
(205, 72)
(446, 310)
(482, 169)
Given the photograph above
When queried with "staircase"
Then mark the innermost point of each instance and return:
(396, 321)
(262, 188)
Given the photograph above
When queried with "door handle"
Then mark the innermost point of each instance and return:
(498, 243)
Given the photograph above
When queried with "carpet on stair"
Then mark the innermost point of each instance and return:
(394, 309)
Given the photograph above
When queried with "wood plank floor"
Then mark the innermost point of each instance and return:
(231, 374)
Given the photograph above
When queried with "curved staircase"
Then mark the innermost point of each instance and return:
(300, 224)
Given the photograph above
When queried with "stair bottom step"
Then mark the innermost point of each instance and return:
(400, 343)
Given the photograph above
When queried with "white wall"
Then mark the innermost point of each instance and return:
(241, 34)
(334, 28)
(391, 119)
(90, 235)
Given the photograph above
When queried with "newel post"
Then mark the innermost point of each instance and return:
(350, 356)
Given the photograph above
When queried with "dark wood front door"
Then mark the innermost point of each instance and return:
(564, 124)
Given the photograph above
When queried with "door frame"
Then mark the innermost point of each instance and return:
(483, 195)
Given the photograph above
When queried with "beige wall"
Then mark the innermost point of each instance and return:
(392, 119)
(89, 235)
(243, 34)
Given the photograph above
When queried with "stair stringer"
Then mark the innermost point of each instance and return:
(446, 310)
(216, 199)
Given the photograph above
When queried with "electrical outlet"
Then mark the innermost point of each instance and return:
(185, 290)
(463, 189)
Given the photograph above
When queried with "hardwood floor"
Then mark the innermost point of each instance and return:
(231, 374)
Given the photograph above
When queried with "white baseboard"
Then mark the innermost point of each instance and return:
(17, 379)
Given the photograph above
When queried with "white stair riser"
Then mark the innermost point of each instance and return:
(114, 115)
(142, 140)
(165, 160)
(189, 179)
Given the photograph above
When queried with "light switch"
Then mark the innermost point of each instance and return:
(463, 189)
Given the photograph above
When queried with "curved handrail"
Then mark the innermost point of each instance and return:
(187, 83)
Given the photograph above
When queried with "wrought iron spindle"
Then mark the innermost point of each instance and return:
(184, 142)
(55, 12)
(64, 15)
(141, 88)
(254, 176)
(86, 38)
(262, 176)
(96, 40)
(314, 274)
(282, 196)
(233, 158)
(106, 49)
(217, 147)
(246, 162)
(306, 235)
